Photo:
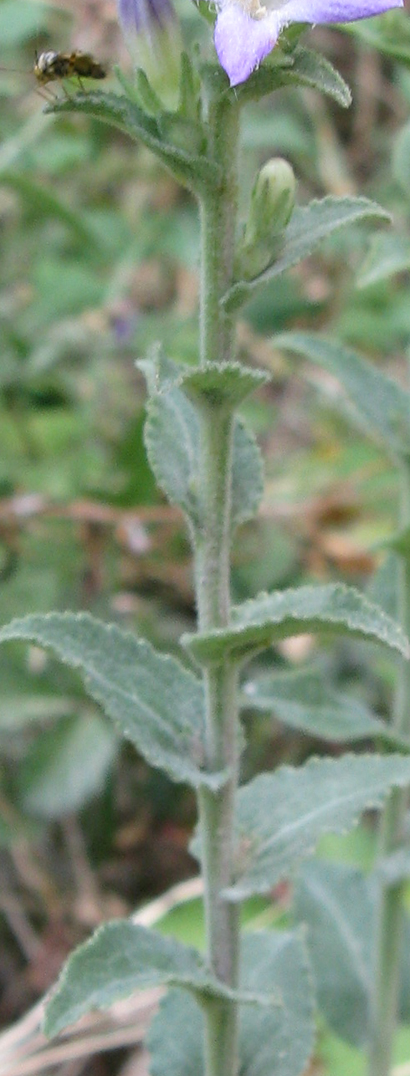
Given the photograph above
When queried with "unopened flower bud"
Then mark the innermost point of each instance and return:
(271, 207)
(152, 34)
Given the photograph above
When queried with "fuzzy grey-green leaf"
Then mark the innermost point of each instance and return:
(262, 621)
(311, 69)
(66, 766)
(380, 404)
(401, 158)
(387, 255)
(336, 903)
(304, 700)
(309, 226)
(272, 1041)
(122, 957)
(281, 816)
(118, 111)
(152, 699)
(223, 386)
(277, 1042)
(172, 436)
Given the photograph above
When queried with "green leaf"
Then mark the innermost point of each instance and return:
(337, 904)
(395, 867)
(172, 442)
(66, 766)
(267, 78)
(263, 621)
(273, 1041)
(122, 957)
(304, 700)
(282, 815)
(389, 33)
(334, 902)
(118, 111)
(277, 1042)
(26, 20)
(385, 584)
(44, 203)
(222, 386)
(308, 226)
(398, 542)
(18, 710)
(297, 67)
(387, 255)
(175, 1037)
(153, 700)
(401, 158)
(382, 406)
(312, 69)
(172, 436)
(247, 476)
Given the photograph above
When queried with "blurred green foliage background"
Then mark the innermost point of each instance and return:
(99, 251)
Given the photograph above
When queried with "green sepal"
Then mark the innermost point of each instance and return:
(190, 170)
(189, 88)
(263, 621)
(144, 94)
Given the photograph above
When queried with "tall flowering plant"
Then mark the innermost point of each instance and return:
(246, 1006)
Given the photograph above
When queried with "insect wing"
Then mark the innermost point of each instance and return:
(85, 66)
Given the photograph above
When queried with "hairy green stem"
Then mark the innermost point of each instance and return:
(212, 576)
(390, 909)
(218, 209)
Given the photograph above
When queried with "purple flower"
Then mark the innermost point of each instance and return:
(246, 31)
(152, 33)
(145, 17)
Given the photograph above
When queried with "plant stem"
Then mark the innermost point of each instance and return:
(212, 575)
(218, 221)
(390, 908)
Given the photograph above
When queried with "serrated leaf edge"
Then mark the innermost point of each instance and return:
(239, 892)
(237, 627)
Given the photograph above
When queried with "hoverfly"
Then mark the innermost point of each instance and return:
(57, 66)
(52, 66)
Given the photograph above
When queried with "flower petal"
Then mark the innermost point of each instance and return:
(327, 11)
(138, 16)
(242, 42)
